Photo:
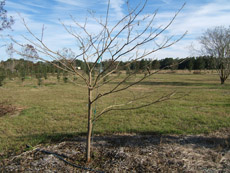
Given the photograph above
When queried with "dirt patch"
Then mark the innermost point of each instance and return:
(131, 153)
(8, 109)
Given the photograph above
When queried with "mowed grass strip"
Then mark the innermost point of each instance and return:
(57, 110)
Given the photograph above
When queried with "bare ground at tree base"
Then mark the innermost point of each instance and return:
(131, 153)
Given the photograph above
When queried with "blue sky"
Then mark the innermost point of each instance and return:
(196, 17)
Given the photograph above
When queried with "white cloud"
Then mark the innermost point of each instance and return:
(73, 2)
(36, 5)
(167, 1)
(20, 7)
(117, 6)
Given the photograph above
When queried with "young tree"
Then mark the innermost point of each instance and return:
(126, 38)
(65, 77)
(216, 43)
(58, 75)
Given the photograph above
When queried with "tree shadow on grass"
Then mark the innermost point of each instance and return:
(221, 105)
(190, 83)
(179, 84)
(155, 140)
(133, 140)
(45, 138)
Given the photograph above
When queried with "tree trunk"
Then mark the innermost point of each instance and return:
(89, 132)
(222, 80)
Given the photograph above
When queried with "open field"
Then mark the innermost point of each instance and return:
(57, 110)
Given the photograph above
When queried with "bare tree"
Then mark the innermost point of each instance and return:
(127, 38)
(216, 43)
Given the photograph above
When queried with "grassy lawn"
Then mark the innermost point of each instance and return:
(57, 110)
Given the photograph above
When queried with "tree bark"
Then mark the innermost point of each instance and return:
(89, 132)
(222, 80)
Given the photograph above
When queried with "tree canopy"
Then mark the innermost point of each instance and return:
(216, 43)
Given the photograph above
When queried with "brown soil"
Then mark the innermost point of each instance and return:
(131, 153)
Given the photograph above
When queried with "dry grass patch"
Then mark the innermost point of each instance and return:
(8, 109)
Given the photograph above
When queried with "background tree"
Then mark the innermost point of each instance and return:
(138, 29)
(155, 65)
(39, 73)
(216, 43)
(142, 64)
(199, 63)
(5, 22)
(209, 62)
(2, 76)
(183, 64)
(65, 77)
(190, 64)
(21, 70)
(168, 63)
(58, 75)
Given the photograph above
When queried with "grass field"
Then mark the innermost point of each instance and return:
(57, 110)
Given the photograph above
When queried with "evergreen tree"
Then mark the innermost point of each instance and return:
(199, 63)
(156, 65)
(165, 63)
(22, 74)
(190, 64)
(2, 76)
(142, 64)
(182, 65)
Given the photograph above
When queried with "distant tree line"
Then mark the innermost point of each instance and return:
(22, 68)
(190, 63)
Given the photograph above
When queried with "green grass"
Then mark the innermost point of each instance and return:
(56, 110)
